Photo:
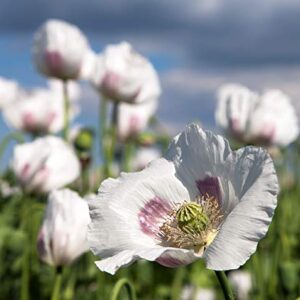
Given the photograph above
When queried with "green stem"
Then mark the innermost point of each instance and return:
(103, 132)
(225, 285)
(110, 151)
(177, 284)
(69, 291)
(102, 284)
(128, 151)
(85, 182)
(57, 284)
(118, 286)
(66, 110)
(259, 275)
(25, 277)
(102, 122)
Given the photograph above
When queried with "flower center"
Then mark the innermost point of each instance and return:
(193, 225)
(191, 218)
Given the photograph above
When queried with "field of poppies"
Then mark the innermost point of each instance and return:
(126, 210)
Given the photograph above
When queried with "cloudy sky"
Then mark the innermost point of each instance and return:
(196, 45)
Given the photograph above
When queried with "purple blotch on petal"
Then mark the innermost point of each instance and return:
(152, 215)
(54, 62)
(210, 186)
(169, 261)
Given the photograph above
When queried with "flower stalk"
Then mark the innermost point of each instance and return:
(103, 131)
(110, 151)
(118, 287)
(177, 284)
(25, 277)
(128, 152)
(57, 284)
(225, 285)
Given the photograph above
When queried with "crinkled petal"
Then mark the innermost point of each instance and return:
(199, 157)
(169, 257)
(127, 211)
(255, 181)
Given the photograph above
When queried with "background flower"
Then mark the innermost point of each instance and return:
(133, 118)
(41, 110)
(124, 75)
(59, 49)
(62, 237)
(274, 120)
(268, 119)
(236, 103)
(45, 164)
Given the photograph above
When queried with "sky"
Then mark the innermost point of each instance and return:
(196, 46)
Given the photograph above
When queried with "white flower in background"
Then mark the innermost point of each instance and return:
(45, 164)
(274, 120)
(144, 156)
(62, 237)
(190, 292)
(41, 110)
(242, 283)
(269, 119)
(235, 104)
(202, 200)
(124, 75)
(133, 118)
(9, 90)
(59, 49)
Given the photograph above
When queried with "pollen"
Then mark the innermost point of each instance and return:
(193, 225)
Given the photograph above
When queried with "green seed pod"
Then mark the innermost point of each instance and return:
(84, 140)
(191, 218)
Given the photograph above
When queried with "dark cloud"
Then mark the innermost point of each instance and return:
(209, 41)
(214, 33)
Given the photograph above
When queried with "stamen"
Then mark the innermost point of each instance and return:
(193, 225)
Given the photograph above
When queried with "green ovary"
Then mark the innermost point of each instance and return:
(191, 218)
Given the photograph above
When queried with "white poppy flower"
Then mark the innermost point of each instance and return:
(133, 118)
(40, 110)
(9, 91)
(202, 200)
(59, 49)
(241, 282)
(62, 237)
(45, 164)
(124, 75)
(269, 119)
(144, 156)
(274, 120)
